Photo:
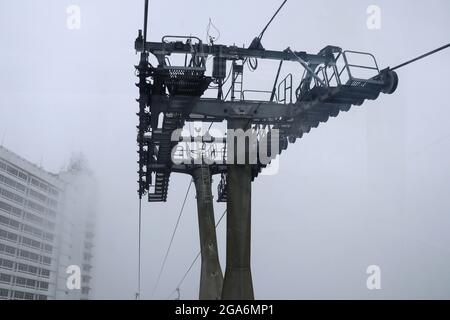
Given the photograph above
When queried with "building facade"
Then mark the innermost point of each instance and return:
(47, 224)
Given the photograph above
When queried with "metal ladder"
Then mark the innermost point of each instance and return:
(237, 78)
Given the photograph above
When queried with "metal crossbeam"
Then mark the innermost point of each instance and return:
(228, 52)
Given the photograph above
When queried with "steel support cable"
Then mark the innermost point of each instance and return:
(138, 293)
(253, 63)
(145, 23)
(421, 57)
(171, 239)
(194, 261)
(271, 19)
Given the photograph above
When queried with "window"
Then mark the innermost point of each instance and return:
(11, 196)
(27, 228)
(45, 273)
(35, 244)
(21, 281)
(46, 260)
(48, 236)
(41, 297)
(43, 285)
(11, 183)
(5, 278)
(33, 218)
(37, 232)
(16, 211)
(12, 171)
(35, 206)
(34, 182)
(31, 243)
(28, 296)
(6, 264)
(31, 283)
(20, 187)
(10, 250)
(38, 196)
(6, 221)
(8, 235)
(32, 230)
(54, 192)
(7, 249)
(38, 184)
(33, 269)
(12, 237)
(4, 293)
(29, 255)
(5, 207)
(24, 254)
(43, 186)
(25, 268)
(9, 222)
(22, 267)
(19, 295)
(14, 223)
(23, 176)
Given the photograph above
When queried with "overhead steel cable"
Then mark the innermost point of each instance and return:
(171, 239)
(145, 23)
(194, 261)
(421, 57)
(256, 43)
(138, 293)
(271, 19)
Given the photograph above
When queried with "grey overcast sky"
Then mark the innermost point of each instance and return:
(370, 187)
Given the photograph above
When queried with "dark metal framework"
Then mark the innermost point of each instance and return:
(171, 95)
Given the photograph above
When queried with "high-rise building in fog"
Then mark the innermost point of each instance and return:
(46, 225)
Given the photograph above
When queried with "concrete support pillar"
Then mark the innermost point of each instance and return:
(211, 277)
(238, 277)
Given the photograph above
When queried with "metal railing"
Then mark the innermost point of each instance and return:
(286, 84)
(255, 91)
(332, 73)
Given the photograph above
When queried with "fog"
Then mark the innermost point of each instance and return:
(369, 187)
